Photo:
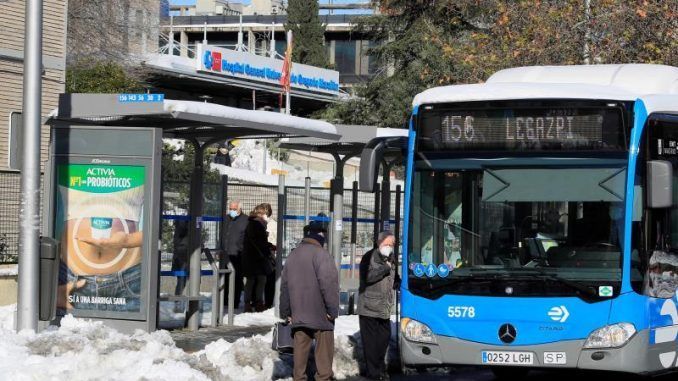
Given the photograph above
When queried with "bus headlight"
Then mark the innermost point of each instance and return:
(610, 336)
(416, 331)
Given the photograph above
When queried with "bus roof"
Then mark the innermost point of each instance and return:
(606, 82)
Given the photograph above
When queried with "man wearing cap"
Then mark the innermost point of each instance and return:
(309, 300)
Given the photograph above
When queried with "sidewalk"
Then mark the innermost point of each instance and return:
(191, 341)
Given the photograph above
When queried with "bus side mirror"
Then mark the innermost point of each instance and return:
(659, 184)
(370, 161)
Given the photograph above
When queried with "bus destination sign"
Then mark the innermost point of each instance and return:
(532, 129)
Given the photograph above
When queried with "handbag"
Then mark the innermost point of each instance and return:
(282, 338)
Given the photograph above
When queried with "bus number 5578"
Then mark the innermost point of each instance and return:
(461, 312)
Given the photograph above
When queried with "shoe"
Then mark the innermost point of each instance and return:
(248, 308)
(260, 307)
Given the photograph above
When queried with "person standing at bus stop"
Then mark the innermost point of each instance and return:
(234, 243)
(272, 230)
(256, 260)
(309, 300)
(375, 300)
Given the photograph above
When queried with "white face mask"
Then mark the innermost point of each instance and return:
(385, 250)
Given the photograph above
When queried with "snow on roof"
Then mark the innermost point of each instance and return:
(108, 108)
(607, 82)
(391, 132)
(275, 121)
(352, 136)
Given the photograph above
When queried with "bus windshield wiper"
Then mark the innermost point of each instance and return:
(586, 292)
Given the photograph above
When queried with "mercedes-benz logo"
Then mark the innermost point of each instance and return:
(507, 333)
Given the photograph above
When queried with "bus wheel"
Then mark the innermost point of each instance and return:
(509, 373)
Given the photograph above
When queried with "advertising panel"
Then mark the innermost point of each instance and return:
(99, 221)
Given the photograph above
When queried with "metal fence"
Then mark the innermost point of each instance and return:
(175, 208)
(10, 206)
(250, 195)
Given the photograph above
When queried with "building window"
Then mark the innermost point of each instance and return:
(344, 56)
(15, 140)
(280, 46)
(139, 18)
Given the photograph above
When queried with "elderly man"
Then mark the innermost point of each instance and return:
(233, 245)
(375, 300)
(309, 299)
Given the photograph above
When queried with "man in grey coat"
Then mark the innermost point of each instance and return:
(375, 300)
(309, 299)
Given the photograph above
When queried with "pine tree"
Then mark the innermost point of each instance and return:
(307, 31)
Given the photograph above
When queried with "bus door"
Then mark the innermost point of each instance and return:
(661, 238)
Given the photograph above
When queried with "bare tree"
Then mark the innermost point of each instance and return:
(121, 31)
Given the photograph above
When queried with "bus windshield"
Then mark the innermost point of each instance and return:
(517, 231)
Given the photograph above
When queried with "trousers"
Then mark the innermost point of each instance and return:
(375, 334)
(324, 353)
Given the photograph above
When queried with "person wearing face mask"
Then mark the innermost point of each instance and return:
(375, 300)
(309, 300)
(233, 246)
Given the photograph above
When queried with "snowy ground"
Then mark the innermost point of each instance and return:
(84, 350)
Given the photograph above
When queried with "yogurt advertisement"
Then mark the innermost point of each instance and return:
(99, 222)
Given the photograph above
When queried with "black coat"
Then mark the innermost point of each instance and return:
(256, 258)
(234, 237)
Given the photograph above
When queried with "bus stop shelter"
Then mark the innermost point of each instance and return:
(95, 137)
(352, 140)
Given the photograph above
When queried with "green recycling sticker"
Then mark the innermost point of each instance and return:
(605, 291)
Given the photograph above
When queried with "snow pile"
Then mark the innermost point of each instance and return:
(255, 319)
(9, 270)
(85, 350)
(7, 317)
(250, 359)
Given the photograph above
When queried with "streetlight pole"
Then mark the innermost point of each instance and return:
(29, 218)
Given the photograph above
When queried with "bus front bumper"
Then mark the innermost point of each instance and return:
(630, 358)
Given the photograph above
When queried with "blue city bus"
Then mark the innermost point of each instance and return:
(541, 221)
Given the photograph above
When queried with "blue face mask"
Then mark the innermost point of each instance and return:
(233, 213)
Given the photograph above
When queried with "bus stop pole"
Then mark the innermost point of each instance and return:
(194, 239)
(376, 212)
(396, 249)
(307, 200)
(338, 228)
(29, 220)
(279, 242)
(354, 225)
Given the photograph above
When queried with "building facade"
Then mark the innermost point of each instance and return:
(12, 22)
(123, 31)
(347, 50)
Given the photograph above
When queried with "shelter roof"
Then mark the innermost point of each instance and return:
(184, 119)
